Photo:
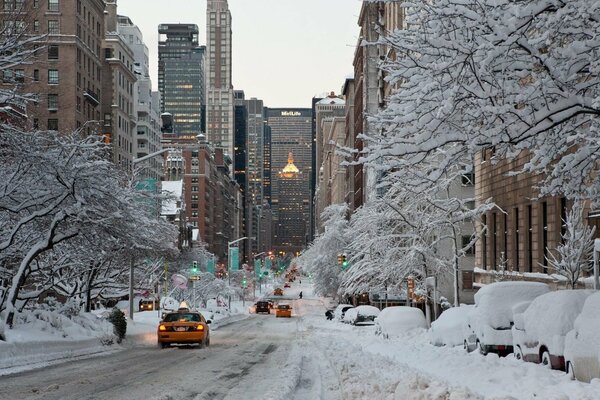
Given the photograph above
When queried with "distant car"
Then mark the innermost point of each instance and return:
(340, 310)
(449, 328)
(183, 327)
(286, 285)
(539, 332)
(398, 320)
(262, 307)
(491, 318)
(278, 292)
(148, 305)
(361, 315)
(283, 310)
(582, 344)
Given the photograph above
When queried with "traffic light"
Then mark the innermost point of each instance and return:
(344, 262)
(244, 282)
(195, 267)
(340, 259)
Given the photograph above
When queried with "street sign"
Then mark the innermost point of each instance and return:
(234, 259)
(210, 266)
(194, 278)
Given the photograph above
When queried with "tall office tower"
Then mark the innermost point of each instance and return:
(266, 170)
(66, 71)
(291, 226)
(181, 76)
(291, 131)
(239, 165)
(219, 88)
(254, 167)
(146, 105)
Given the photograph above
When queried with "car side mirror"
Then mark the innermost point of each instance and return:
(208, 321)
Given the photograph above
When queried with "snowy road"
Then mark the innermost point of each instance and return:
(302, 358)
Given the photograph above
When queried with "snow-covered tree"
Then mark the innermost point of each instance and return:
(60, 188)
(320, 258)
(574, 255)
(506, 76)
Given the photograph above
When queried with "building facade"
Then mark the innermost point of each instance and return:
(291, 228)
(220, 128)
(118, 80)
(181, 67)
(66, 74)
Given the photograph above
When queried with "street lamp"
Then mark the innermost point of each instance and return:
(132, 258)
(229, 261)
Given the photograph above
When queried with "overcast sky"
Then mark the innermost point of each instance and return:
(284, 51)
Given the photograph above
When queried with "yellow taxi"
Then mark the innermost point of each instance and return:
(183, 327)
(283, 310)
(278, 292)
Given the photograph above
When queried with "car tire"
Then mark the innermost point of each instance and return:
(201, 344)
(570, 370)
(208, 341)
(545, 360)
(518, 353)
(466, 346)
(163, 345)
(482, 349)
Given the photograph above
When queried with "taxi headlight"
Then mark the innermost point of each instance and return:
(162, 328)
(200, 327)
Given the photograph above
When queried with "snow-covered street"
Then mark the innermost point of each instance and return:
(302, 358)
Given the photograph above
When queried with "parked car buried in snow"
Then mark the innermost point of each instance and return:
(582, 344)
(398, 320)
(449, 328)
(361, 315)
(340, 311)
(539, 332)
(491, 319)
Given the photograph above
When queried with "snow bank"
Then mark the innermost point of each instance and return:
(350, 316)
(449, 328)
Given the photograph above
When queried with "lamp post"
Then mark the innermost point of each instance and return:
(229, 261)
(132, 258)
(260, 275)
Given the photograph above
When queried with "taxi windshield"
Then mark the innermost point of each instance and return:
(183, 317)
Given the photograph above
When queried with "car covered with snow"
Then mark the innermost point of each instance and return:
(340, 310)
(582, 344)
(361, 315)
(539, 332)
(449, 328)
(491, 319)
(398, 320)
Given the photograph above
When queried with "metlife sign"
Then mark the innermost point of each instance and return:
(291, 114)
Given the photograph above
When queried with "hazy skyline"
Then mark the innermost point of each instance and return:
(284, 51)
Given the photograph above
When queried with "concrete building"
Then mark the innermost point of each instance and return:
(211, 195)
(348, 92)
(67, 73)
(118, 80)
(146, 104)
(330, 126)
(181, 79)
(219, 88)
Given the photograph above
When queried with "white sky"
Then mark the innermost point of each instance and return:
(284, 51)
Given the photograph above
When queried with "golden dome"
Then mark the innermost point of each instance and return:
(290, 169)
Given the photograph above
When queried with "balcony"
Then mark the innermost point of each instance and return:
(91, 97)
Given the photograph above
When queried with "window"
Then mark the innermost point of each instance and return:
(52, 76)
(8, 5)
(53, 124)
(19, 75)
(36, 123)
(36, 26)
(53, 5)
(36, 3)
(467, 280)
(8, 76)
(53, 27)
(52, 102)
(468, 178)
(53, 52)
(465, 242)
(78, 107)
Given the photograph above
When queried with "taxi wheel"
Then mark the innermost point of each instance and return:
(201, 344)
(163, 345)
(208, 341)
